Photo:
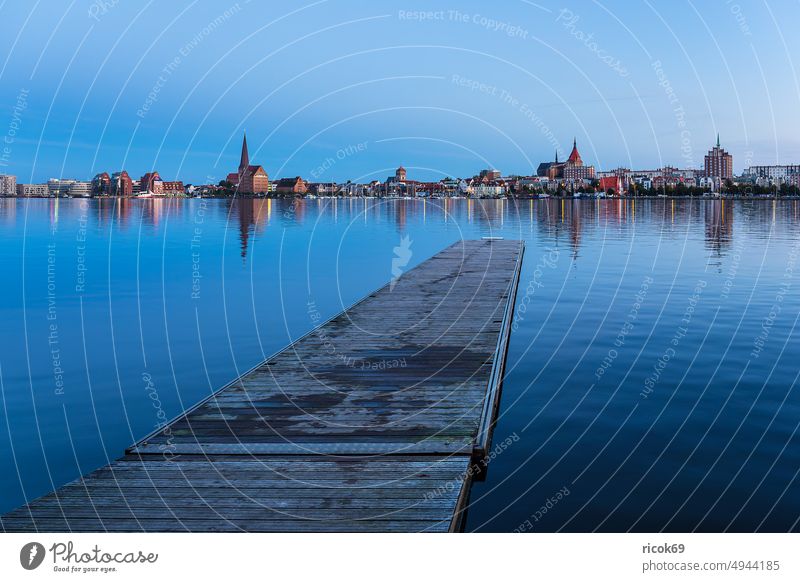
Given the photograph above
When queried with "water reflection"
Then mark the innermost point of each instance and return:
(567, 221)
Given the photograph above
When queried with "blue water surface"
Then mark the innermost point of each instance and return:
(650, 377)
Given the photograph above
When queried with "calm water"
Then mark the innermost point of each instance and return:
(651, 372)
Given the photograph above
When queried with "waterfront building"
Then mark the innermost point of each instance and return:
(58, 187)
(483, 188)
(101, 184)
(353, 189)
(291, 186)
(398, 183)
(711, 183)
(33, 190)
(550, 170)
(8, 185)
(490, 174)
(324, 188)
(718, 163)
(151, 183)
(121, 184)
(612, 184)
(773, 174)
(249, 179)
(80, 189)
(572, 169)
(173, 188)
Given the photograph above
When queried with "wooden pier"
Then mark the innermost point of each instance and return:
(369, 423)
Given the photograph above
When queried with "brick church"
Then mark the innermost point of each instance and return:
(250, 179)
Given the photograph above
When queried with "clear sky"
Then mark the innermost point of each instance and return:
(346, 89)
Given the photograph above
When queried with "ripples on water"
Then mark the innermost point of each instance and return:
(651, 372)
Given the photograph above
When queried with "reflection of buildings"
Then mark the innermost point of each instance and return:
(718, 225)
(251, 213)
(8, 210)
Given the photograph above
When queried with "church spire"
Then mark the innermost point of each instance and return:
(574, 156)
(718, 140)
(556, 155)
(244, 162)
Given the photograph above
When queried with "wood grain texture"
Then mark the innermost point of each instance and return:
(367, 423)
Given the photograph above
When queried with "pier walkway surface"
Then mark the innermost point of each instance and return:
(370, 422)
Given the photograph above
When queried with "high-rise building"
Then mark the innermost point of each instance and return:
(719, 163)
(8, 185)
(249, 179)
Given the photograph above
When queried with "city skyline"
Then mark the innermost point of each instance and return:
(640, 86)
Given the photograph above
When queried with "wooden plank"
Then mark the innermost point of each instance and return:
(368, 422)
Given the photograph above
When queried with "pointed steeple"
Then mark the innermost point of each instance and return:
(244, 162)
(556, 155)
(717, 140)
(574, 156)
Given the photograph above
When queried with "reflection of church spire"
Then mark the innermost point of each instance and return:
(244, 234)
(245, 208)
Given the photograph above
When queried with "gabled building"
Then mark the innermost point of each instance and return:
(611, 184)
(291, 186)
(249, 179)
(101, 184)
(121, 184)
(151, 183)
(572, 169)
(173, 188)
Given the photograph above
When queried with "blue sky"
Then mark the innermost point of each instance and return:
(340, 89)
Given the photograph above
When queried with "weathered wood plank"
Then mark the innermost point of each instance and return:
(367, 423)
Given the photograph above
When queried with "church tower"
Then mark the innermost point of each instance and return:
(244, 162)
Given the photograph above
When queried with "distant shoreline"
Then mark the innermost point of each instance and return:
(251, 197)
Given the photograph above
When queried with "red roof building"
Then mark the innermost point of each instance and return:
(574, 157)
(613, 183)
(250, 179)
